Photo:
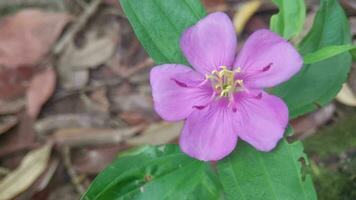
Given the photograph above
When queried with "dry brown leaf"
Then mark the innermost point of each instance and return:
(88, 49)
(306, 125)
(215, 5)
(14, 81)
(64, 121)
(28, 35)
(6, 123)
(244, 12)
(160, 133)
(346, 96)
(95, 52)
(41, 88)
(31, 167)
(73, 79)
(92, 136)
(11, 107)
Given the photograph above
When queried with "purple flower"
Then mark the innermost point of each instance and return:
(222, 100)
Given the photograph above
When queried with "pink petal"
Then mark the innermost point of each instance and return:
(262, 119)
(268, 60)
(210, 43)
(177, 90)
(209, 134)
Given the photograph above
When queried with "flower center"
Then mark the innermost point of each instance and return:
(224, 82)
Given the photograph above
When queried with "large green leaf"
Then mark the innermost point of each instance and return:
(290, 19)
(158, 24)
(250, 174)
(317, 84)
(155, 172)
(327, 52)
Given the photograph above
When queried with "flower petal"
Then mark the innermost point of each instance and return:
(177, 90)
(268, 60)
(209, 134)
(262, 119)
(210, 43)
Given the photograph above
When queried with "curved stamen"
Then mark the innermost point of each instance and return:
(224, 82)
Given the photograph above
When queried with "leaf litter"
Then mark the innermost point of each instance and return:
(78, 77)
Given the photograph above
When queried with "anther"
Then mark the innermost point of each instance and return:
(238, 70)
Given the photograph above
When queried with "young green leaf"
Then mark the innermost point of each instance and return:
(250, 174)
(290, 19)
(155, 172)
(326, 53)
(158, 25)
(317, 84)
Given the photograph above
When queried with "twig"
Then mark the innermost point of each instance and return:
(75, 178)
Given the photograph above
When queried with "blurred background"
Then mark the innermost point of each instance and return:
(74, 92)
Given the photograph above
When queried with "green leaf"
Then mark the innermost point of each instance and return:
(317, 84)
(290, 19)
(327, 52)
(158, 24)
(278, 175)
(155, 172)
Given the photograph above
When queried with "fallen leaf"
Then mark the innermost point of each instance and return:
(66, 192)
(94, 159)
(160, 133)
(349, 6)
(100, 100)
(6, 123)
(346, 96)
(63, 121)
(73, 79)
(215, 5)
(11, 107)
(95, 51)
(14, 81)
(28, 35)
(306, 125)
(88, 49)
(39, 91)
(133, 118)
(31, 167)
(21, 138)
(92, 136)
(244, 13)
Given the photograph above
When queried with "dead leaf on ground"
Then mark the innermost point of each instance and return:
(31, 167)
(100, 100)
(306, 125)
(94, 52)
(28, 35)
(215, 5)
(20, 138)
(41, 88)
(6, 123)
(92, 136)
(66, 192)
(94, 159)
(60, 121)
(160, 133)
(244, 13)
(90, 48)
(14, 81)
(346, 96)
(349, 6)
(73, 79)
(11, 107)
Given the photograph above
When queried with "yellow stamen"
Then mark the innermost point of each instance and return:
(238, 70)
(224, 81)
